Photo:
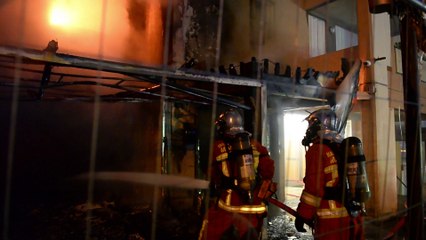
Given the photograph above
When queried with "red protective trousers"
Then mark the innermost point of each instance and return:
(332, 220)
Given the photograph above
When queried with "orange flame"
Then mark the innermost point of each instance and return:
(85, 28)
(75, 15)
(60, 16)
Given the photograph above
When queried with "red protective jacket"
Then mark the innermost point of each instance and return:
(232, 215)
(331, 219)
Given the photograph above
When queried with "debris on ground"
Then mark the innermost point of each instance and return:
(282, 228)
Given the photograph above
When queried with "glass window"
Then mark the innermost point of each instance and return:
(316, 36)
(345, 38)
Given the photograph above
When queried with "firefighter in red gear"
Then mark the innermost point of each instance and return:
(323, 204)
(241, 181)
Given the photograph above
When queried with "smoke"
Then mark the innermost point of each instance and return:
(129, 31)
(138, 14)
(281, 37)
(145, 39)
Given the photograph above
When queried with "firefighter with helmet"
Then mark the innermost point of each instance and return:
(334, 180)
(241, 181)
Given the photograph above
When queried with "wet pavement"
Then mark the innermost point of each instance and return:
(119, 219)
(281, 225)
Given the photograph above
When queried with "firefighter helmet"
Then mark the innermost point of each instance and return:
(322, 123)
(230, 123)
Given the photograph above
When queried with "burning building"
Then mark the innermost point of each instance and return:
(108, 108)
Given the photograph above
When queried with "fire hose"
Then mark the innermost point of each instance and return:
(286, 208)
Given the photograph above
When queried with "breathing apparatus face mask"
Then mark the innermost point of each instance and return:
(311, 133)
(320, 122)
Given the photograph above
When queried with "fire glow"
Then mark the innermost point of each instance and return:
(61, 14)
(76, 15)
(95, 28)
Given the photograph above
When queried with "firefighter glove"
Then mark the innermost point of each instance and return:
(267, 189)
(298, 223)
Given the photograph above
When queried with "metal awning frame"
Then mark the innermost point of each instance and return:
(136, 73)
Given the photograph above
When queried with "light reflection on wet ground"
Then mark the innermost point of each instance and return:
(280, 224)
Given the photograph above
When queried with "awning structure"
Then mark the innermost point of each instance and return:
(285, 94)
(46, 75)
(50, 76)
